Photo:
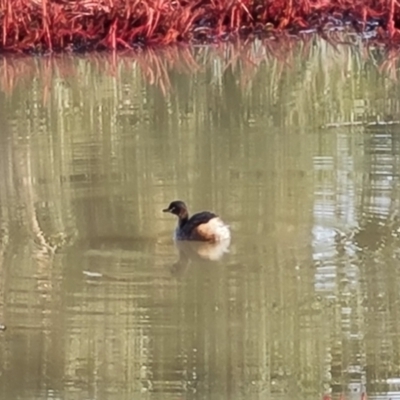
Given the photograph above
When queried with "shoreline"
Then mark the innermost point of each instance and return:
(53, 26)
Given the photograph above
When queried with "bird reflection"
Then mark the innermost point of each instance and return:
(198, 251)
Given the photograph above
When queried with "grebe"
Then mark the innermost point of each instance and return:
(204, 226)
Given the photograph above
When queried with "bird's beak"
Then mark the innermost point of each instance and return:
(166, 210)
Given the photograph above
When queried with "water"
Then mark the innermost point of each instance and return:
(97, 300)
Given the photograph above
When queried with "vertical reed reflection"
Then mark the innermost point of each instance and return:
(98, 301)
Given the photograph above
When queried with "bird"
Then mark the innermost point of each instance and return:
(203, 226)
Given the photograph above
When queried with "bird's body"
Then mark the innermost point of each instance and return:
(202, 226)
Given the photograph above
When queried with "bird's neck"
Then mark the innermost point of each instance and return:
(183, 218)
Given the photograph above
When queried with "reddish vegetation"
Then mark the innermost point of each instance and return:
(55, 25)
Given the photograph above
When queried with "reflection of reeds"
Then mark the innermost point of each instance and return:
(47, 25)
(260, 69)
(158, 66)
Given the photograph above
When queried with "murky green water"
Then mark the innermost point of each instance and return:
(98, 301)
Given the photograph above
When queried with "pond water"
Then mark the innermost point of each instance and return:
(281, 140)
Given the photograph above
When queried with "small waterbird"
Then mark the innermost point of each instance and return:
(203, 226)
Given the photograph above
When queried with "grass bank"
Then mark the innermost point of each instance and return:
(83, 25)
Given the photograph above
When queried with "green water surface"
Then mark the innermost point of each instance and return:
(98, 301)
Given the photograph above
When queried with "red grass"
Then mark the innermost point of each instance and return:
(55, 25)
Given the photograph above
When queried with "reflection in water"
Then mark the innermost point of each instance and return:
(98, 300)
(199, 251)
(204, 250)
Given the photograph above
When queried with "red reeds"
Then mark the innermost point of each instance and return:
(56, 25)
